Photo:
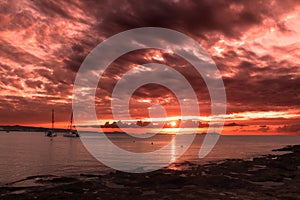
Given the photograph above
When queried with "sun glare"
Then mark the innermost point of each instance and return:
(173, 123)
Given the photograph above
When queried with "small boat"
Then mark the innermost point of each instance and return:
(51, 133)
(71, 132)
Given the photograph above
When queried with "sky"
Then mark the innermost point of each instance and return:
(254, 44)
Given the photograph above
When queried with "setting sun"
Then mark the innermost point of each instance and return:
(173, 123)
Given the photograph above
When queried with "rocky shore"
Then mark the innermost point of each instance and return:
(265, 177)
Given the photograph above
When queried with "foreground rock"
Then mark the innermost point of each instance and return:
(267, 177)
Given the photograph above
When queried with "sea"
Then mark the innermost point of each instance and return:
(24, 154)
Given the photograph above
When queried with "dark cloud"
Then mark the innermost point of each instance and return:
(188, 16)
(54, 8)
(204, 20)
(289, 128)
(263, 128)
(16, 54)
(259, 82)
(32, 110)
(48, 41)
(234, 124)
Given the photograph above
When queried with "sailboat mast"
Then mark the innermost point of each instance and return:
(52, 119)
(71, 121)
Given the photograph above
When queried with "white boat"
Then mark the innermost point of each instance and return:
(71, 132)
(51, 133)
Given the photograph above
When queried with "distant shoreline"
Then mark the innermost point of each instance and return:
(19, 128)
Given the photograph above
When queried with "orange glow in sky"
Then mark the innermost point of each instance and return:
(255, 47)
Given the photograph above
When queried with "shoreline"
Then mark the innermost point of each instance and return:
(264, 177)
(61, 131)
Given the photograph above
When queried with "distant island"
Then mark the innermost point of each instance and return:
(167, 124)
(29, 129)
(114, 125)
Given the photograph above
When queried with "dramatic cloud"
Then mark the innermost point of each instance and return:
(289, 128)
(255, 45)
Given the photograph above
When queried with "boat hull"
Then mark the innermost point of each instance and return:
(51, 134)
(71, 134)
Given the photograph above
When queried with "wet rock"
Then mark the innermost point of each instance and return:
(149, 192)
(114, 186)
(262, 178)
(56, 180)
(90, 175)
(293, 148)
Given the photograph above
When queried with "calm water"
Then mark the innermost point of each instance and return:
(28, 154)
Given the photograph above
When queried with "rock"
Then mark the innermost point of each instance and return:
(114, 186)
(150, 192)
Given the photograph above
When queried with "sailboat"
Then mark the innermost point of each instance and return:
(71, 132)
(51, 133)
